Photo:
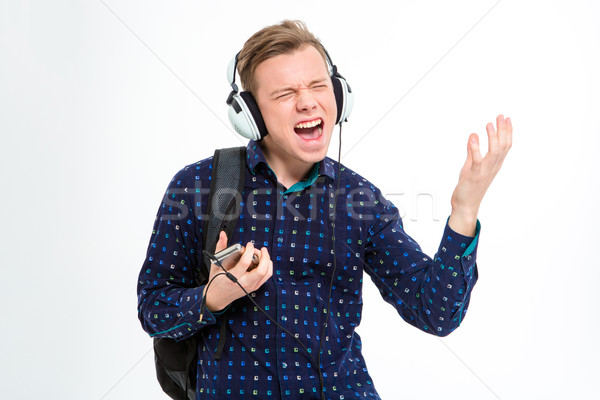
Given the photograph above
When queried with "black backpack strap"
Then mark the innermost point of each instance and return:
(221, 344)
(223, 209)
(176, 361)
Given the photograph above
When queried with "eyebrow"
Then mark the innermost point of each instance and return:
(292, 89)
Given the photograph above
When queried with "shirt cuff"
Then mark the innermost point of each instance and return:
(192, 317)
(219, 313)
(456, 255)
(462, 245)
(456, 248)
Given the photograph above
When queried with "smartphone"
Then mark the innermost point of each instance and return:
(231, 255)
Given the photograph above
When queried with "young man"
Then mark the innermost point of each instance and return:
(291, 209)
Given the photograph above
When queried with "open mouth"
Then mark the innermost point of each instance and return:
(309, 130)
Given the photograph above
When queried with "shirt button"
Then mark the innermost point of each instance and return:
(284, 318)
(284, 365)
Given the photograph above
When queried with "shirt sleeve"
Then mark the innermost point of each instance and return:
(431, 294)
(168, 302)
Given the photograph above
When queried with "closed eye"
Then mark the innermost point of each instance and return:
(283, 95)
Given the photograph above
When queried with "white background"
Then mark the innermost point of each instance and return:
(102, 103)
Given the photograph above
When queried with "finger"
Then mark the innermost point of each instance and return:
(509, 130)
(265, 260)
(266, 266)
(492, 138)
(255, 260)
(245, 261)
(257, 276)
(474, 147)
(268, 274)
(222, 242)
(260, 261)
(501, 124)
(262, 268)
(500, 121)
(469, 153)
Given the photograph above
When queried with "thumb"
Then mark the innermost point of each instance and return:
(222, 243)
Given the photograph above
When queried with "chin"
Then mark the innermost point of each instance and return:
(315, 156)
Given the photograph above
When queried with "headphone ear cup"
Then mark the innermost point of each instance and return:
(257, 117)
(246, 117)
(344, 98)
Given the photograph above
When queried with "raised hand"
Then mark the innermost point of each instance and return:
(477, 174)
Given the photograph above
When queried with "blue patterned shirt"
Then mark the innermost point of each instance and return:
(259, 359)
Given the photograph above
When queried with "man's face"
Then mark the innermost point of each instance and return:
(295, 97)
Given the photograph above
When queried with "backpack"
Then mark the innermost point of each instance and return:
(176, 361)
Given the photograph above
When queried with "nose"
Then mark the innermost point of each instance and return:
(306, 100)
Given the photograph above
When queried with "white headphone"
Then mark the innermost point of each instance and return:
(247, 119)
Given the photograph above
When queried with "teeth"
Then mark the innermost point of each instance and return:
(309, 124)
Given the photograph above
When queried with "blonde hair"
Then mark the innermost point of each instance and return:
(271, 41)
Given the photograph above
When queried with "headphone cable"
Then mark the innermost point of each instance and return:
(232, 278)
(334, 257)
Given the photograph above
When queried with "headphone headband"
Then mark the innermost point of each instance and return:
(231, 68)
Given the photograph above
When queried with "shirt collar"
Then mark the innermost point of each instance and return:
(255, 158)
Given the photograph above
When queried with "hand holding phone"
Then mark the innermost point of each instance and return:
(250, 277)
(230, 256)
